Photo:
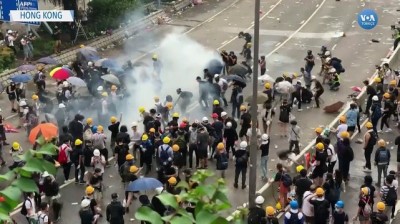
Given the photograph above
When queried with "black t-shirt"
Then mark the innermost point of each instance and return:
(264, 149)
(95, 180)
(321, 157)
(379, 218)
(302, 185)
(256, 215)
(122, 151)
(340, 218)
(246, 118)
(321, 210)
(86, 216)
(76, 153)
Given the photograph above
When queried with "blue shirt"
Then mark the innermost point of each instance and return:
(351, 117)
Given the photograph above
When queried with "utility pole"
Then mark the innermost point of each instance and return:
(254, 108)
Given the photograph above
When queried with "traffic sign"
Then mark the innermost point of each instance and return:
(8, 5)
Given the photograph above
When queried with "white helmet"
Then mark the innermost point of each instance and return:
(96, 152)
(204, 119)
(65, 84)
(90, 64)
(375, 98)
(332, 70)
(313, 77)
(61, 105)
(328, 59)
(264, 137)
(22, 103)
(243, 144)
(134, 124)
(327, 53)
(100, 88)
(85, 203)
(229, 124)
(223, 113)
(216, 76)
(259, 200)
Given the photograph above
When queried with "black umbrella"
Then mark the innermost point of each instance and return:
(215, 67)
(239, 69)
(235, 78)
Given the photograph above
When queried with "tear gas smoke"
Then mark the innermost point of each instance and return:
(182, 58)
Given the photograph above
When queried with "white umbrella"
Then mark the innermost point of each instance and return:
(75, 81)
(111, 79)
(99, 62)
(284, 87)
(266, 78)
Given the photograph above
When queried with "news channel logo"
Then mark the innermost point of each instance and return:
(367, 19)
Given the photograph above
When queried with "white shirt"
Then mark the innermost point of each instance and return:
(307, 209)
(341, 128)
(221, 83)
(104, 107)
(136, 135)
(11, 40)
(43, 218)
(331, 152)
(30, 206)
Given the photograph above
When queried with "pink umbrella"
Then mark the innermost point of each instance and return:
(356, 88)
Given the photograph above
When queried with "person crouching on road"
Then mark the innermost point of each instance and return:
(171, 186)
(15, 152)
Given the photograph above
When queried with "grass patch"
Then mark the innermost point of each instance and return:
(43, 47)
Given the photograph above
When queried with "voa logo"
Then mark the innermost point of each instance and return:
(367, 19)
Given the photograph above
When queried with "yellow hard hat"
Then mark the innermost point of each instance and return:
(344, 134)
(15, 146)
(267, 86)
(243, 108)
(145, 137)
(320, 191)
(78, 142)
(299, 168)
(380, 206)
(386, 95)
(393, 82)
(175, 148)
(39, 67)
(278, 206)
(216, 102)
(220, 146)
(100, 128)
(89, 120)
(270, 210)
(105, 94)
(169, 105)
(81, 46)
(172, 180)
(114, 87)
(133, 169)
(156, 98)
(369, 125)
(129, 157)
(377, 80)
(166, 140)
(248, 45)
(113, 119)
(175, 115)
(318, 130)
(295, 75)
(320, 146)
(89, 190)
(381, 143)
(152, 130)
(35, 97)
(342, 118)
(142, 109)
(365, 190)
(155, 56)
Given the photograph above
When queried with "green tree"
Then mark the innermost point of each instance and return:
(210, 199)
(66, 4)
(20, 179)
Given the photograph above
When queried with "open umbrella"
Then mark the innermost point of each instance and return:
(284, 87)
(47, 130)
(47, 61)
(356, 88)
(266, 78)
(235, 78)
(215, 67)
(21, 78)
(61, 73)
(88, 54)
(111, 79)
(261, 98)
(107, 63)
(144, 184)
(334, 108)
(75, 81)
(26, 68)
(238, 69)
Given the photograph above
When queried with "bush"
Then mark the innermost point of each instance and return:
(43, 47)
(7, 58)
(106, 14)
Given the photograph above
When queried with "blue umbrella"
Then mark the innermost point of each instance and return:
(215, 67)
(24, 78)
(144, 184)
(47, 61)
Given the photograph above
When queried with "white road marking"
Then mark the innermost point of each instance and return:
(334, 46)
(277, 44)
(302, 22)
(210, 20)
(224, 42)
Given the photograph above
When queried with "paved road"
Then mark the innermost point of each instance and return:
(284, 44)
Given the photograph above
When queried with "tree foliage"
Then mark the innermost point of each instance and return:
(212, 203)
(20, 179)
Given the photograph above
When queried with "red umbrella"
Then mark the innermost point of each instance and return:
(60, 73)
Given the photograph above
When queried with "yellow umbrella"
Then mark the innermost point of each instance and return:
(54, 71)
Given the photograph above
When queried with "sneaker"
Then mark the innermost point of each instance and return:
(380, 131)
(299, 110)
(82, 182)
(388, 130)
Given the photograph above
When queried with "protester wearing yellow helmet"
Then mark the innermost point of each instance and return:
(221, 157)
(320, 167)
(79, 162)
(370, 140)
(15, 152)
(267, 86)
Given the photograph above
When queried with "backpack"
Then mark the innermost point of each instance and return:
(41, 217)
(254, 216)
(33, 120)
(350, 153)
(223, 162)
(24, 210)
(180, 141)
(164, 156)
(242, 160)
(62, 155)
(239, 97)
(383, 157)
(88, 134)
(373, 138)
(294, 218)
(286, 180)
(367, 210)
(377, 113)
(391, 197)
